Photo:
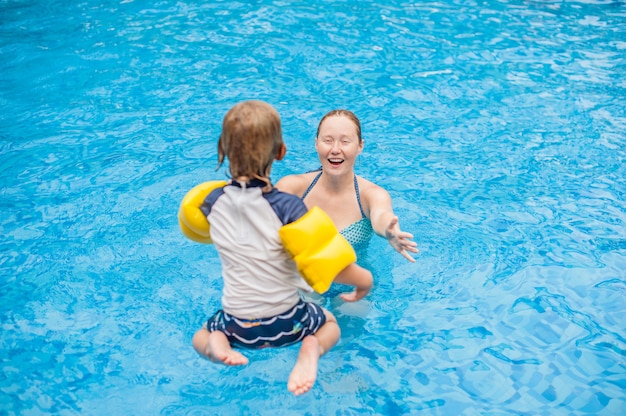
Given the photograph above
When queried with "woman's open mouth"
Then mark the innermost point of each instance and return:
(335, 162)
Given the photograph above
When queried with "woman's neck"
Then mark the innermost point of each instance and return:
(337, 183)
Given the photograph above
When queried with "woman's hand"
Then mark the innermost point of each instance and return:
(400, 240)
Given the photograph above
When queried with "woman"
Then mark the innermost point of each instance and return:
(356, 205)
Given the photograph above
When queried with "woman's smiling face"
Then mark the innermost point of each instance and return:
(338, 143)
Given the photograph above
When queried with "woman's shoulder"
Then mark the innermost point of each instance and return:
(295, 184)
(368, 185)
(370, 190)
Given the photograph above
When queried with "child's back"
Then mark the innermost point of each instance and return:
(260, 280)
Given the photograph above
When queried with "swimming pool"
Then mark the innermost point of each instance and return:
(497, 127)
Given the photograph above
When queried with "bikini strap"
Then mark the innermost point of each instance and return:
(358, 196)
(311, 185)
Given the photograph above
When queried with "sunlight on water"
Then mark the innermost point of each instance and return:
(497, 127)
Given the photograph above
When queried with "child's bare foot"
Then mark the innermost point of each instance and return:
(218, 350)
(304, 373)
(215, 347)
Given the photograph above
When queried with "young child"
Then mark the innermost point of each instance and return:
(249, 223)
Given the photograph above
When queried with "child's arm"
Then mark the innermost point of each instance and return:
(323, 255)
(193, 223)
(357, 276)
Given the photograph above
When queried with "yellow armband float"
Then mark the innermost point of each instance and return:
(318, 249)
(192, 221)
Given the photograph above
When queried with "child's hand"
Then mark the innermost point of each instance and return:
(358, 277)
(354, 296)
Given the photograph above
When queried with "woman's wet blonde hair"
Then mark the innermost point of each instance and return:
(342, 113)
(251, 139)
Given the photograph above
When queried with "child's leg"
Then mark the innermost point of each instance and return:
(215, 346)
(304, 372)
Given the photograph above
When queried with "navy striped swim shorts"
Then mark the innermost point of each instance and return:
(278, 331)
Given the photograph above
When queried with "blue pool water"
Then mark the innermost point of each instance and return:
(497, 127)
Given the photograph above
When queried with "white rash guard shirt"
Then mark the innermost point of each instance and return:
(260, 278)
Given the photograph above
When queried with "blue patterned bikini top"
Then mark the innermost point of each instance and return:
(359, 233)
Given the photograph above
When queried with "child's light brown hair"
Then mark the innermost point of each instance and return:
(251, 139)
